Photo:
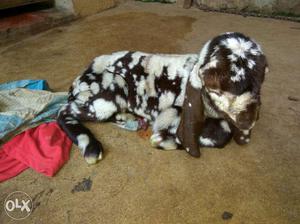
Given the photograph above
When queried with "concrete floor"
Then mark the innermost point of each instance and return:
(258, 183)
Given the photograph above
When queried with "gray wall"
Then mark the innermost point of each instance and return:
(266, 6)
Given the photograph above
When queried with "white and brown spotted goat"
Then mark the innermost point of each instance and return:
(192, 100)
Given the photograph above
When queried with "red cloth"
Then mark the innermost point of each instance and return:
(44, 148)
(9, 167)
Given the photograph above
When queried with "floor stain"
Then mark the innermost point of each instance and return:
(84, 185)
(292, 98)
(69, 216)
(226, 215)
(41, 197)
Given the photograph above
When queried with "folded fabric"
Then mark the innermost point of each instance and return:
(21, 108)
(27, 84)
(9, 167)
(44, 148)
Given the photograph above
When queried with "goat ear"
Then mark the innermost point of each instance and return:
(192, 117)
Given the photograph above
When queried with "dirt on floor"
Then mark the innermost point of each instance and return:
(134, 183)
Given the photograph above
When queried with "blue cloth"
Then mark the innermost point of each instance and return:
(30, 105)
(27, 84)
(49, 113)
(9, 123)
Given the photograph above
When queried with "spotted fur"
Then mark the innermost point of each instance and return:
(153, 86)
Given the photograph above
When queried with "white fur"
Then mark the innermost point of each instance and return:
(195, 79)
(238, 46)
(255, 51)
(168, 144)
(154, 113)
(164, 119)
(75, 85)
(112, 87)
(95, 88)
(135, 59)
(220, 101)
(207, 141)
(246, 132)
(141, 112)
(251, 63)
(82, 97)
(105, 61)
(176, 65)
(91, 108)
(83, 86)
(267, 70)
(190, 63)
(72, 122)
(74, 108)
(83, 141)
(100, 63)
(166, 100)
(91, 76)
(125, 116)
(212, 63)
(107, 79)
(69, 118)
(237, 105)
(225, 126)
(203, 53)
(104, 109)
(209, 111)
(232, 57)
(123, 72)
(239, 73)
(137, 99)
(134, 77)
(179, 100)
(241, 102)
(155, 65)
(121, 102)
(155, 139)
(144, 103)
(141, 86)
(120, 81)
(174, 125)
(150, 85)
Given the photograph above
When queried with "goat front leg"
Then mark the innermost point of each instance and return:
(164, 129)
(241, 137)
(216, 133)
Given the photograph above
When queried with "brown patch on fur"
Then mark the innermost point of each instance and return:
(219, 77)
(211, 79)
